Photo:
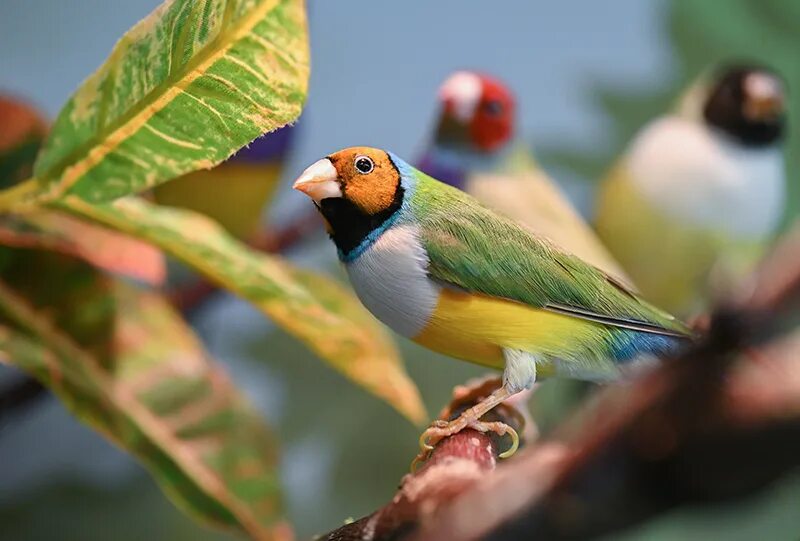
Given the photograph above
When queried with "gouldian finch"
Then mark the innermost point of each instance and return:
(475, 129)
(235, 192)
(700, 191)
(438, 267)
(474, 148)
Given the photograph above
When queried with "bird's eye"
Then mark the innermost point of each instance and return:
(364, 165)
(493, 108)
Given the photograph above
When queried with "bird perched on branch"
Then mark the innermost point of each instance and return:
(441, 269)
(475, 149)
(700, 191)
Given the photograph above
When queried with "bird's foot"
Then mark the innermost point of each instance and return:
(471, 418)
(442, 429)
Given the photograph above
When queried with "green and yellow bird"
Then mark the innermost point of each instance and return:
(700, 192)
(441, 269)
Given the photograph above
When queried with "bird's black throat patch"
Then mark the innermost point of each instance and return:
(350, 226)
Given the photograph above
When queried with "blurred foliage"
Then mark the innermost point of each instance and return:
(125, 363)
(24, 130)
(103, 248)
(704, 34)
(183, 90)
(231, 194)
(770, 514)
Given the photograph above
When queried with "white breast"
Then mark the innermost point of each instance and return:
(696, 175)
(391, 280)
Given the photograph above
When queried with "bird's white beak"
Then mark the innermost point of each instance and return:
(319, 181)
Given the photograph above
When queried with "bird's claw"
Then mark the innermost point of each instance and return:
(424, 446)
(501, 429)
(440, 429)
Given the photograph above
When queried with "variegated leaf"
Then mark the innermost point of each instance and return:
(103, 248)
(20, 138)
(318, 311)
(160, 398)
(182, 90)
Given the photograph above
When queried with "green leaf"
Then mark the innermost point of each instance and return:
(22, 135)
(106, 249)
(316, 310)
(160, 398)
(76, 298)
(182, 90)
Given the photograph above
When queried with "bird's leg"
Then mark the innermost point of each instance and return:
(474, 391)
(470, 418)
(519, 374)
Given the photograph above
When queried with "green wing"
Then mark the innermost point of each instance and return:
(475, 249)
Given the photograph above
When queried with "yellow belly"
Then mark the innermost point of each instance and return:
(475, 328)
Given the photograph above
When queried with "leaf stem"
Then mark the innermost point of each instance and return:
(13, 196)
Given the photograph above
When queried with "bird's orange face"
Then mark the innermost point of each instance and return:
(364, 176)
(355, 190)
(368, 177)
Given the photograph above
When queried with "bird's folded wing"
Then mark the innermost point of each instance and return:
(533, 199)
(475, 249)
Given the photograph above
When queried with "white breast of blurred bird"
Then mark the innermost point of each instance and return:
(697, 175)
(391, 279)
